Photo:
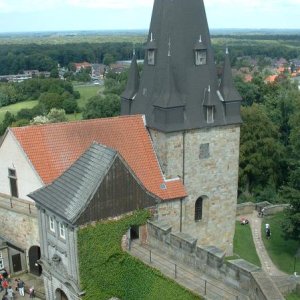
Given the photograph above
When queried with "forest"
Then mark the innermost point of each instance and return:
(15, 58)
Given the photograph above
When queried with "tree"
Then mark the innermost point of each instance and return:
(108, 59)
(57, 115)
(50, 100)
(101, 107)
(260, 153)
(9, 118)
(291, 223)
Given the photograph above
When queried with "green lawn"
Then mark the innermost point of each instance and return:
(14, 108)
(243, 245)
(292, 296)
(107, 271)
(281, 251)
(87, 92)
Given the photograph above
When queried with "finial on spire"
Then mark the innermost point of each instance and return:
(151, 37)
(209, 88)
(169, 51)
(133, 50)
(200, 39)
(227, 51)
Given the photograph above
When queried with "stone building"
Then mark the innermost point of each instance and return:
(194, 121)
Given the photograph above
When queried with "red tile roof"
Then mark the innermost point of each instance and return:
(53, 148)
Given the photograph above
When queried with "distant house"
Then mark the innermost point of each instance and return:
(98, 71)
(83, 65)
(271, 78)
(118, 68)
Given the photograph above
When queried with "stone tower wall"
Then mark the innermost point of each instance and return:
(211, 160)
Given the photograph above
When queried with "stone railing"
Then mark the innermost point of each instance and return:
(240, 274)
(269, 209)
(18, 205)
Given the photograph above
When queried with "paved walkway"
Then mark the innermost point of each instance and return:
(266, 262)
(193, 280)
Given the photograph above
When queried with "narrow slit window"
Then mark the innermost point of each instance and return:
(198, 209)
(151, 57)
(1, 260)
(12, 176)
(210, 114)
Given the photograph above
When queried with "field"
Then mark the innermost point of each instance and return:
(281, 251)
(14, 108)
(86, 92)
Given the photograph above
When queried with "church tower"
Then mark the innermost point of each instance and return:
(193, 120)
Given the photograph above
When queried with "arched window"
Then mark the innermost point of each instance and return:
(198, 209)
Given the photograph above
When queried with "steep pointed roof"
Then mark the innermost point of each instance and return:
(133, 80)
(178, 29)
(227, 88)
(169, 96)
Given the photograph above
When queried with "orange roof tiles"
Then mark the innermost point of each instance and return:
(271, 78)
(53, 148)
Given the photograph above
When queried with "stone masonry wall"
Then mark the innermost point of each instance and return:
(240, 274)
(18, 225)
(210, 158)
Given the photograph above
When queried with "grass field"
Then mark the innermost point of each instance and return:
(281, 251)
(292, 296)
(107, 271)
(243, 245)
(14, 108)
(86, 92)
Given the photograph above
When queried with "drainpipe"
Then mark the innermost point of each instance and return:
(183, 175)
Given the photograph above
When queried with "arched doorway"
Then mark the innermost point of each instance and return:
(34, 255)
(60, 295)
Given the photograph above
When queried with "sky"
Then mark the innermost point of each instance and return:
(66, 15)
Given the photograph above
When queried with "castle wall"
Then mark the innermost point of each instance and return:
(249, 279)
(210, 159)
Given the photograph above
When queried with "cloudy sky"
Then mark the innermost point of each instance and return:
(45, 15)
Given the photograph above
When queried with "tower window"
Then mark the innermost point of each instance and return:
(198, 209)
(210, 114)
(204, 151)
(151, 57)
(200, 57)
(12, 175)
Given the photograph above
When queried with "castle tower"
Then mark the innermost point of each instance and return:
(194, 123)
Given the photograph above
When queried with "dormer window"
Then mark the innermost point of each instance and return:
(210, 114)
(200, 57)
(12, 176)
(151, 57)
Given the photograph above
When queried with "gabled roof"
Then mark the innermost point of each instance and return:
(77, 184)
(53, 148)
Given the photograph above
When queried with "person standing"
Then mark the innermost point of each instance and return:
(5, 285)
(31, 292)
(21, 286)
(10, 293)
(268, 233)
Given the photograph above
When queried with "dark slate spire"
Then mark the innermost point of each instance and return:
(232, 98)
(178, 69)
(228, 90)
(131, 87)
